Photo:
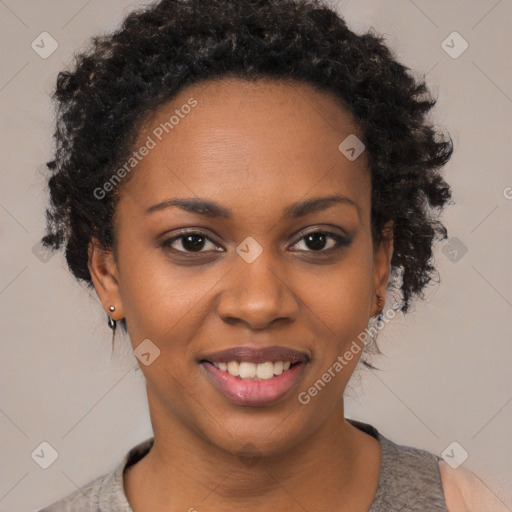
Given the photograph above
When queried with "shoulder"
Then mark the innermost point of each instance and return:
(409, 480)
(465, 492)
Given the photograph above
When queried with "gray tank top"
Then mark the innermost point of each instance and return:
(409, 481)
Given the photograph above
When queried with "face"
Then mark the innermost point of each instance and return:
(243, 244)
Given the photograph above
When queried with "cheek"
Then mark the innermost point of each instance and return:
(338, 312)
(145, 286)
(161, 299)
(342, 298)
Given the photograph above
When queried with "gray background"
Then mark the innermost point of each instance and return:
(446, 365)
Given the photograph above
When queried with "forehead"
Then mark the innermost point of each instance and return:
(231, 138)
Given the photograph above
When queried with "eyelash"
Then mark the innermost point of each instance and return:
(341, 241)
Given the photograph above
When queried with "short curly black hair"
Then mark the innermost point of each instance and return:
(123, 77)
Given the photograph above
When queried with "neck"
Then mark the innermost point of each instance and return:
(183, 466)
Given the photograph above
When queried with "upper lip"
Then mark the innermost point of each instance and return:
(255, 355)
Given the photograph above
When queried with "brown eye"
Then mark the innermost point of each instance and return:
(316, 241)
(190, 242)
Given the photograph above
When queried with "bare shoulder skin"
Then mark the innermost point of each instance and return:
(465, 492)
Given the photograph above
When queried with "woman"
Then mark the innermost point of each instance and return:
(243, 182)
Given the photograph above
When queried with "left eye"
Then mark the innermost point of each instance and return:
(195, 241)
(318, 239)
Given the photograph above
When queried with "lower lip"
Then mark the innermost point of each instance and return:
(255, 392)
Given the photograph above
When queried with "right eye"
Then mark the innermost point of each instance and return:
(191, 242)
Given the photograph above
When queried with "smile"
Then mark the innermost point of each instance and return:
(255, 376)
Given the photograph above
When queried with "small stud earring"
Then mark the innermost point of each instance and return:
(380, 302)
(111, 322)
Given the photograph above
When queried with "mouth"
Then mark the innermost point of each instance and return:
(255, 376)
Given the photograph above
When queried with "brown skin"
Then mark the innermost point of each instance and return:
(254, 148)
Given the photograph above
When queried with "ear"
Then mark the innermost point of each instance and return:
(104, 274)
(382, 266)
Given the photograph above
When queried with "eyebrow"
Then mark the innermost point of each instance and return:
(212, 209)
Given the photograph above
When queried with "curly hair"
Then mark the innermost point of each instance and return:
(123, 77)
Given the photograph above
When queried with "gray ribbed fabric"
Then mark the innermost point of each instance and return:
(409, 481)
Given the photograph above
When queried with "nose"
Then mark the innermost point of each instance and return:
(257, 295)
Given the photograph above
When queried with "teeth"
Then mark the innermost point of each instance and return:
(265, 370)
(252, 371)
(233, 368)
(278, 367)
(247, 370)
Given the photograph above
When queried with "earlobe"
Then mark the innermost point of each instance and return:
(382, 265)
(105, 277)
